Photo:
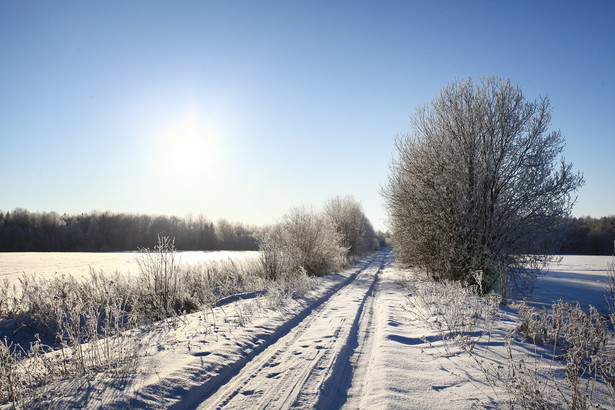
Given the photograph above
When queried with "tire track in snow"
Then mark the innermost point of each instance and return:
(307, 365)
(358, 367)
(353, 363)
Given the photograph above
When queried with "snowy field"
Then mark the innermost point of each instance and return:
(354, 341)
(47, 264)
(576, 278)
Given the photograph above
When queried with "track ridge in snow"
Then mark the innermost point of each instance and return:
(308, 360)
(335, 388)
(195, 395)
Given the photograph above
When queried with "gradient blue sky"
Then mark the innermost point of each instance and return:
(240, 110)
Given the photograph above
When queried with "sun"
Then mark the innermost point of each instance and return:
(187, 151)
(189, 155)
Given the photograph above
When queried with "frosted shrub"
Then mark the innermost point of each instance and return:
(356, 231)
(303, 240)
(567, 326)
(275, 256)
(540, 327)
(206, 283)
(288, 286)
(604, 365)
(90, 338)
(36, 303)
(158, 274)
(526, 387)
(86, 325)
(9, 387)
(5, 296)
(167, 288)
(580, 343)
(479, 183)
(455, 310)
(610, 272)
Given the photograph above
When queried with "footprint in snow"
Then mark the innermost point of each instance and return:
(201, 354)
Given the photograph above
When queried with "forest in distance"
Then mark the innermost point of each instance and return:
(25, 231)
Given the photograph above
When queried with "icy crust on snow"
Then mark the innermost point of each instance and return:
(186, 358)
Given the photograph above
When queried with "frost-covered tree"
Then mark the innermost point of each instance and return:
(356, 231)
(304, 239)
(479, 185)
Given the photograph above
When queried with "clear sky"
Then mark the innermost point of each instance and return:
(242, 109)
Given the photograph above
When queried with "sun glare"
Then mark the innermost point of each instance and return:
(187, 151)
(189, 155)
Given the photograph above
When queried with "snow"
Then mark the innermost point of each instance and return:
(575, 278)
(401, 370)
(353, 342)
(47, 264)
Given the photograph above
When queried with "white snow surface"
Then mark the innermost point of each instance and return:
(578, 278)
(49, 264)
(353, 342)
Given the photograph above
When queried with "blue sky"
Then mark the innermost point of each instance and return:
(240, 110)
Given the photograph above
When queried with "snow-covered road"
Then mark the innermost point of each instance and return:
(309, 366)
(357, 349)
(352, 342)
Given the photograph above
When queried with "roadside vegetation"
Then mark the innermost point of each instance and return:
(317, 242)
(479, 200)
(563, 357)
(63, 327)
(480, 185)
(22, 230)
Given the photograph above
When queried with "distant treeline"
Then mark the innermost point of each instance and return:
(21, 230)
(590, 236)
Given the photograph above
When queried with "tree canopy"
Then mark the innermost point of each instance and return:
(479, 185)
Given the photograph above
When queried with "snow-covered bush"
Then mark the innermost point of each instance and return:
(356, 231)
(288, 286)
(581, 340)
(480, 183)
(206, 283)
(305, 240)
(275, 257)
(9, 384)
(159, 276)
(5, 295)
(610, 272)
(455, 310)
(567, 325)
(86, 328)
(38, 305)
(168, 288)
